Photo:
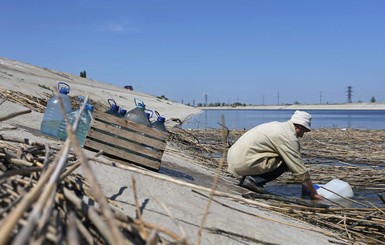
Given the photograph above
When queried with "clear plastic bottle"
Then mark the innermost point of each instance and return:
(53, 114)
(159, 123)
(86, 123)
(138, 114)
(83, 126)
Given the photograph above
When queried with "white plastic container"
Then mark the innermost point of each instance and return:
(338, 186)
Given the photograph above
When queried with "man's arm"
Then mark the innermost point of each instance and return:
(308, 184)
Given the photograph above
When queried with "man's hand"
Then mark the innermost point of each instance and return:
(308, 185)
(316, 197)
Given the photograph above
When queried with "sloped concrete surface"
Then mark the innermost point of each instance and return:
(177, 205)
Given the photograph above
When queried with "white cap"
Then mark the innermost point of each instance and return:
(302, 118)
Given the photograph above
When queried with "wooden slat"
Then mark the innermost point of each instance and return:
(124, 145)
(108, 119)
(129, 135)
(124, 156)
(126, 141)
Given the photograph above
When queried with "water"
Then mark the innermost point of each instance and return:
(247, 119)
(83, 126)
(159, 124)
(54, 113)
(50, 127)
(362, 197)
(138, 115)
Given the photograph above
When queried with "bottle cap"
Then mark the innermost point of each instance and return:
(89, 107)
(63, 89)
(141, 105)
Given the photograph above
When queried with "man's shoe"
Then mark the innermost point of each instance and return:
(241, 181)
(249, 184)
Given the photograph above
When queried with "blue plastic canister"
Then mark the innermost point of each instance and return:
(114, 108)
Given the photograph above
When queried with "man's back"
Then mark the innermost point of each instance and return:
(260, 144)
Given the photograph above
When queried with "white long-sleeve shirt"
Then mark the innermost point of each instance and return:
(264, 148)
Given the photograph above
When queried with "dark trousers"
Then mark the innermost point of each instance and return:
(267, 177)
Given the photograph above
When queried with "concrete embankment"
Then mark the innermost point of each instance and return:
(174, 199)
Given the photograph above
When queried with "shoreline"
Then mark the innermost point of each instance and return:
(342, 106)
(184, 170)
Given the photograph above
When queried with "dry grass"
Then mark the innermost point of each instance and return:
(350, 155)
(42, 200)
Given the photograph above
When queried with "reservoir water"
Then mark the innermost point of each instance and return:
(247, 119)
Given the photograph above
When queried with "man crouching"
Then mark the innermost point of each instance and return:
(268, 150)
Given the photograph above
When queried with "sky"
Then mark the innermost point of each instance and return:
(248, 51)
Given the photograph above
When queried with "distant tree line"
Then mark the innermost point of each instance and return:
(373, 99)
(83, 74)
(219, 104)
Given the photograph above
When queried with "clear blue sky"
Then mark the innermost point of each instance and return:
(251, 51)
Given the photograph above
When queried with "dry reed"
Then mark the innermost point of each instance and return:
(42, 199)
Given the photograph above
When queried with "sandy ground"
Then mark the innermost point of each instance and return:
(230, 221)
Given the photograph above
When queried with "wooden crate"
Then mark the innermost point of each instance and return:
(126, 142)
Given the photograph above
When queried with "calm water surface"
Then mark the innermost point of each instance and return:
(247, 119)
